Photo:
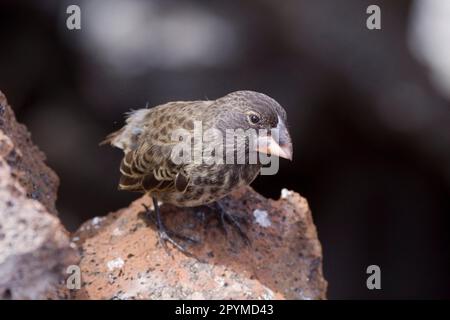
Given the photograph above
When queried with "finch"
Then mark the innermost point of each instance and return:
(154, 138)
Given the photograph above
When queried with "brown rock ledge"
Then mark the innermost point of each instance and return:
(34, 246)
(122, 259)
(26, 161)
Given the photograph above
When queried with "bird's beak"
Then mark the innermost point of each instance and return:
(278, 143)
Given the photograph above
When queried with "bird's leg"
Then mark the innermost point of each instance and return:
(163, 233)
(148, 213)
(225, 216)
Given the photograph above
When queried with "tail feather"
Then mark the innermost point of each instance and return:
(127, 137)
(110, 137)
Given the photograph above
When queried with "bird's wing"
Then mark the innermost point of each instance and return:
(146, 141)
(149, 169)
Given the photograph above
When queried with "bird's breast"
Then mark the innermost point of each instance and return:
(210, 184)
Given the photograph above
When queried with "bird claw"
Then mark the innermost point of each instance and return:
(166, 235)
(164, 238)
(231, 219)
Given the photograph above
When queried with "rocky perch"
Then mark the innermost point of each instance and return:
(34, 246)
(122, 257)
(119, 255)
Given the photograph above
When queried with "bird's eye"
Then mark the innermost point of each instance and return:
(254, 118)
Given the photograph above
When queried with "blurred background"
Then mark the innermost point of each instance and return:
(368, 110)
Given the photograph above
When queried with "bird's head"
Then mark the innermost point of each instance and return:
(252, 110)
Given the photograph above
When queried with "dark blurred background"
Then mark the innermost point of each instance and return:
(369, 111)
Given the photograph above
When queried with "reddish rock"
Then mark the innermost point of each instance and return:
(34, 246)
(122, 259)
(26, 161)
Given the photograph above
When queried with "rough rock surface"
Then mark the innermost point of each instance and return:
(26, 161)
(122, 259)
(34, 246)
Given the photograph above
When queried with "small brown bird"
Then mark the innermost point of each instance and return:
(150, 165)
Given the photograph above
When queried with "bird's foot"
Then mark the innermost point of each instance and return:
(164, 238)
(165, 235)
(232, 219)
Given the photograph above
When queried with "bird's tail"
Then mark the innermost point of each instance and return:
(111, 137)
(127, 137)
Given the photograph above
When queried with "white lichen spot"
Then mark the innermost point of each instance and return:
(220, 281)
(117, 232)
(301, 294)
(262, 218)
(96, 221)
(115, 264)
(268, 295)
(285, 193)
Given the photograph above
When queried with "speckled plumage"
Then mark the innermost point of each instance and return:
(147, 144)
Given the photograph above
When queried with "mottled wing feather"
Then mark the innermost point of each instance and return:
(146, 169)
(149, 169)
(147, 166)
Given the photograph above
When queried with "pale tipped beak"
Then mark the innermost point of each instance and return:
(278, 143)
